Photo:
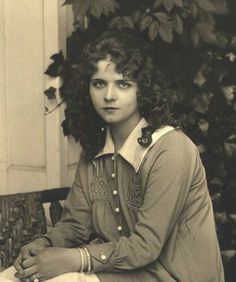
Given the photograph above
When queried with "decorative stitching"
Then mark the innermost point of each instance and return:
(135, 195)
(100, 189)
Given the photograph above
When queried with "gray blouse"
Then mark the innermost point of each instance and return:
(144, 214)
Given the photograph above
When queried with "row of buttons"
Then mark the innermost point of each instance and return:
(115, 193)
(117, 210)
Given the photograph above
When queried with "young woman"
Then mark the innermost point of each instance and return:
(139, 209)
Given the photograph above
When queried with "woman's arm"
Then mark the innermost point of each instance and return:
(75, 226)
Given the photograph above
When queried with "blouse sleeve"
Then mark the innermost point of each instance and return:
(167, 188)
(75, 226)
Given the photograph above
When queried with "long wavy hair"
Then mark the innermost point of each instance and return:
(135, 59)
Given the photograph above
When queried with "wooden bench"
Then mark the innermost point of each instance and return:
(22, 216)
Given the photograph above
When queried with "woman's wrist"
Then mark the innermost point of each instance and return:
(88, 260)
(85, 260)
(45, 241)
(78, 261)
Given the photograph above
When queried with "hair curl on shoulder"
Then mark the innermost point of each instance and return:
(135, 59)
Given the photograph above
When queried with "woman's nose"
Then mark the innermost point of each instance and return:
(110, 94)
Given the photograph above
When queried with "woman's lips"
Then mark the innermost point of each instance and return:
(110, 109)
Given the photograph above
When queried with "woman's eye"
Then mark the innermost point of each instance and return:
(98, 83)
(124, 84)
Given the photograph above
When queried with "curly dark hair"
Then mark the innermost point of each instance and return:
(135, 59)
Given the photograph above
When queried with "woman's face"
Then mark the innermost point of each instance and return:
(114, 98)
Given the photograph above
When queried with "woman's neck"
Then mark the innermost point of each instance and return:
(121, 131)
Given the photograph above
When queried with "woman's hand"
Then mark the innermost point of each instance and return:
(51, 262)
(26, 252)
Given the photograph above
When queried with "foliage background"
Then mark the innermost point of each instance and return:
(196, 42)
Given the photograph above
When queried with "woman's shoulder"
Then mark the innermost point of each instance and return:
(175, 153)
(83, 162)
(176, 137)
(177, 143)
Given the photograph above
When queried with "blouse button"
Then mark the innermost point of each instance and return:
(119, 228)
(115, 192)
(113, 158)
(103, 257)
(113, 175)
(117, 210)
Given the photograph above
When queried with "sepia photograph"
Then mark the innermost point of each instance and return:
(118, 141)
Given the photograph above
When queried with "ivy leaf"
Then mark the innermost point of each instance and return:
(199, 104)
(232, 139)
(50, 93)
(179, 3)
(194, 9)
(116, 22)
(162, 17)
(206, 5)
(157, 4)
(104, 7)
(221, 7)
(178, 25)
(199, 78)
(80, 8)
(222, 40)
(185, 13)
(166, 32)
(136, 16)
(128, 21)
(122, 22)
(233, 41)
(230, 148)
(227, 255)
(55, 68)
(206, 33)
(95, 7)
(153, 30)
(145, 22)
(168, 4)
(68, 2)
(58, 57)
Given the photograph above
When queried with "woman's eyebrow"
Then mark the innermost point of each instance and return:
(117, 80)
(94, 79)
(127, 80)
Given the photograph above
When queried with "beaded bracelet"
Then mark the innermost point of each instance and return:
(89, 269)
(82, 259)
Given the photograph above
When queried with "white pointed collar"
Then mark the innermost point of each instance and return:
(131, 150)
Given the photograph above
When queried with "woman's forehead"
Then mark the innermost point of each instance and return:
(106, 68)
(106, 65)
